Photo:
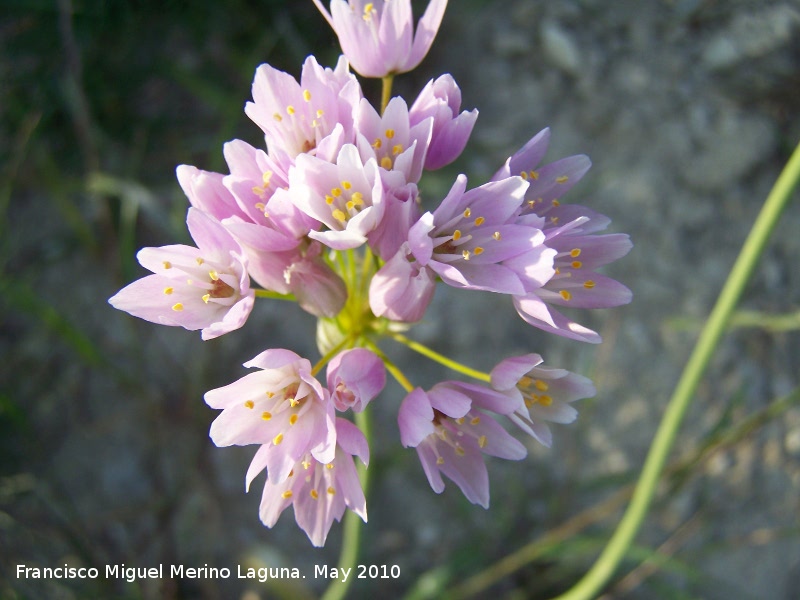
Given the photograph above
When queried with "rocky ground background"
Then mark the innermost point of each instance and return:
(688, 109)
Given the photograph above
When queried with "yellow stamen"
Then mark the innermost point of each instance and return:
(533, 174)
(475, 421)
(460, 451)
(339, 215)
(266, 415)
(397, 149)
(167, 264)
(496, 235)
(270, 394)
(199, 260)
(440, 461)
(329, 199)
(524, 175)
(214, 275)
(525, 382)
(306, 95)
(277, 117)
(465, 254)
(562, 179)
(478, 250)
(329, 466)
(286, 495)
(168, 291)
(386, 163)
(331, 491)
(336, 192)
(541, 385)
(277, 439)
(377, 144)
(479, 221)
(482, 441)
(206, 298)
(347, 185)
(460, 420)
(565, 295)
(290, 110)
(177, 307)
(545, 400)
(249, 404)
(357, 198)
(456, 235)
(320, 112)
(260, 206)
(467, 213)
(588, 284)
(575, 252)
(389, 132)
(293, 419)
(556, 202)
(576, 264)
(314, 494)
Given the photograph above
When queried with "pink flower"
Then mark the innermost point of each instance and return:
(397, 146)
(319, 492)
(204, 288)
(544, 393)
(355, 378)
(376, 37)
(470, 236)
(441, 100)
(402, 289)
(297, 117)
(450, 427)
(346, 196)
(281, 406)
(570, 230)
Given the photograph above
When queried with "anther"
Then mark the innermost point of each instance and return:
(277, 117)
(389, 132)
(377, 144)
(478, 250)
(286, 495)
(576, 264)
(397, 149)
(277, 439)
(524, 175)
(588, 284)
(496, 235)
(465, 254)
(336, 192)
(168, 291)
(475, 421)
(545, 400)
(347, 185)
(290, 110)
(167, 264)
(565, 295)
(482, 441)
(199, 260)
(314, 494)
(562, 179)
(456, 235)
(331, 491)
(177, 307)
(541, 385)
(479, 221)
(306, 95)
(339, 215)
(467, 213)
(575, 252)
(206, 298)
(214, 275)
(460, 451)
(293, 419)
(266, 415)
(329, 466)
(386, 163)
(533, 174)
(440, 461)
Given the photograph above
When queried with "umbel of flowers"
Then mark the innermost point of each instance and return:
(328, 214)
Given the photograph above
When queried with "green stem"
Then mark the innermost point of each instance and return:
(391, 367)
(274, 295)
(330, 354)
(608, 561)
(440, 358)
(351, 529)
(386, 91)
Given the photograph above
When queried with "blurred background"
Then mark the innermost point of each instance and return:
(688, 109)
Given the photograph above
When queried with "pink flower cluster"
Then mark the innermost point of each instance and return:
(340, 178)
